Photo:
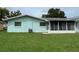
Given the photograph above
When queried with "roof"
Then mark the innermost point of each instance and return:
(75, 18)
(60, 19)
(23, 16)
(45, 19)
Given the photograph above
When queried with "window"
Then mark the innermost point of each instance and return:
(42, 24)
(17, 23)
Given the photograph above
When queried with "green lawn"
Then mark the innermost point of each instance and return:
(38, 42)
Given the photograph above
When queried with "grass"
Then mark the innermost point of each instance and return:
(37, 42)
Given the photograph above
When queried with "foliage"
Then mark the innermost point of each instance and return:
(15, 13)
(5, 13)
(54, 13)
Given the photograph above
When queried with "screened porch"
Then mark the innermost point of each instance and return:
(61, 26)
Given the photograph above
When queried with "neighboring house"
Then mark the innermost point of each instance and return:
(2, 25)
(50, 25)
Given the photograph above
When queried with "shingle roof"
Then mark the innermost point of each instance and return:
(23, 16)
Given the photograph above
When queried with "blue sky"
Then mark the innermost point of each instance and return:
(38, 11)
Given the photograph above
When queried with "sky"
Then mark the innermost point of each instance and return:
(38, 11)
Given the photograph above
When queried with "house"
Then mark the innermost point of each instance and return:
(25, 23)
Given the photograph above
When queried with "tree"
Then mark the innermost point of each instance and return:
(54, 13)
(15, 13)
(5, 13)
(18, 12)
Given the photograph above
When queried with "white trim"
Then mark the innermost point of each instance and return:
(71, 31)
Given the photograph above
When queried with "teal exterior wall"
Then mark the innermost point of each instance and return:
(27, 22)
